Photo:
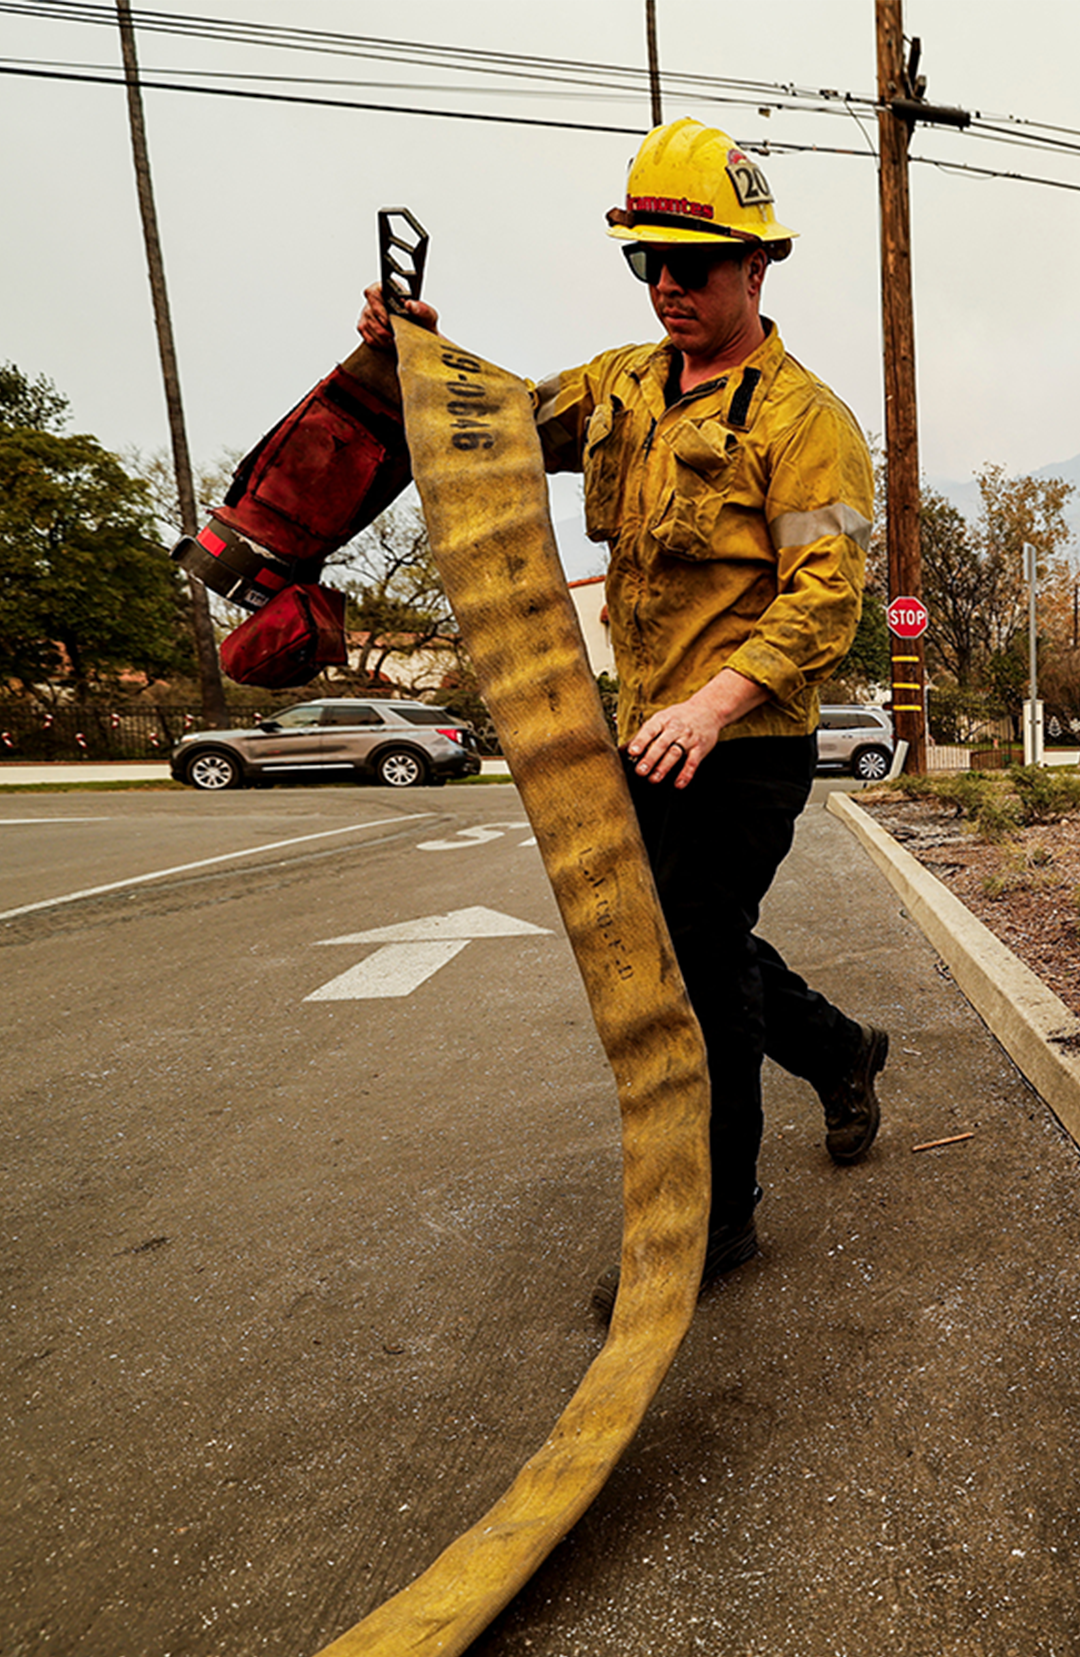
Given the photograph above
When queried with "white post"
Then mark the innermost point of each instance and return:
(1033, 708)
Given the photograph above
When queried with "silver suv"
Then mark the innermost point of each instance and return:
(400, 744)
(856, 739)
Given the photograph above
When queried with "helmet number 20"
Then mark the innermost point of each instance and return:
(750, 184)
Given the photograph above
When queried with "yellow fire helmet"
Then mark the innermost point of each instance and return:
(691, 183)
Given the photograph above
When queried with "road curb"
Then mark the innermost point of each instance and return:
(1029, 1020)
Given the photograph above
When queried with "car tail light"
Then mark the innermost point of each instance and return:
(452, 734)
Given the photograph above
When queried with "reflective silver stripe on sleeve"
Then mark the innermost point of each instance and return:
(798, 529)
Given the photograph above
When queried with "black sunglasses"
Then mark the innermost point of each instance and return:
(688, 267)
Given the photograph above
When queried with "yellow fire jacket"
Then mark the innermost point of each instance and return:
(737, 518)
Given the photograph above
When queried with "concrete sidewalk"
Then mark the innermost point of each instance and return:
(16, 775)
(867, 1445)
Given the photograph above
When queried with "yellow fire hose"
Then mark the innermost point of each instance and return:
(477, 464)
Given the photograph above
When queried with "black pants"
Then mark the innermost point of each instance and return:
(714, 848)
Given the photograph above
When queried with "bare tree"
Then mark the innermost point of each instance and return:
(972, 572)
(399, 617)
(1014, 511)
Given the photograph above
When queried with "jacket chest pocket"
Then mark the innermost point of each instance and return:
(605, 443)
(710, 473)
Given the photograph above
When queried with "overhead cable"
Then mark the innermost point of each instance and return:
(768, 146)
(548, 71)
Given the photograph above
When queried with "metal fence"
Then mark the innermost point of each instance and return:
(35, 734)
(972, 743)
(952, 756)
(990, 744)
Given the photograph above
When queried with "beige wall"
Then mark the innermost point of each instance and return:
(588, 597)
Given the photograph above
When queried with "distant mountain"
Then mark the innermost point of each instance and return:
(965, 496)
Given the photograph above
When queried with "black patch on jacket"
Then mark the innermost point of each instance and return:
(740, 403)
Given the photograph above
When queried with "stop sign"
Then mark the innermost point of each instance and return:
(907, 617)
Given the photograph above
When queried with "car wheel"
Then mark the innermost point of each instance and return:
(214, 770)
(398, 768)
(871, 764)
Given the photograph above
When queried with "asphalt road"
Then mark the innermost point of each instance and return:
(296, 1271)
(257, 1237)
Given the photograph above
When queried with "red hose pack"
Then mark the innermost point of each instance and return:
(324, 472)
(288, 640)
(313, 482)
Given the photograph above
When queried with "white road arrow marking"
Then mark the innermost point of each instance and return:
(413, 950)
(477, 922)
(470, 837)
(394, 970)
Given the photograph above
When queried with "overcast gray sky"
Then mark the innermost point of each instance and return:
(268, 211)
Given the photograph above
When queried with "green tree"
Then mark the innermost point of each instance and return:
(85, 590)
(211, 481)
(30, 405)
(957, 588)
(868, 662)
(1006, 676)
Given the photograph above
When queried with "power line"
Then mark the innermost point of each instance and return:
(599, 92)
(371, 46)
(321, 80)
(1003, 135)
(765, 147)
(547, 71)
(555, 71)
(324, 103)
(989, 172)
(847, 107)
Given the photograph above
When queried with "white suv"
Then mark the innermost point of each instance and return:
(856, 739)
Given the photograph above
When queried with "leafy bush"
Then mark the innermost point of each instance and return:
(912, 785)
(997, 817)
(968, 791)
(1045, 794)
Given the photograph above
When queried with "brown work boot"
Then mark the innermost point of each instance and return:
(728, 1246)
(852, 1112)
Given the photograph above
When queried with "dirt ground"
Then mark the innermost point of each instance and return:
(1025, 889)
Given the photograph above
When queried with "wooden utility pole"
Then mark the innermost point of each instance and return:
(654, 62)
(901, 410)
(213, 695)
(902, 103)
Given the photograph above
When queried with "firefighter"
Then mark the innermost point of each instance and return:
(734, 492)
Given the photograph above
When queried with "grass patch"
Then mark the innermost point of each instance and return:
(166, 785)
(1022, 868)
(152, 785)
